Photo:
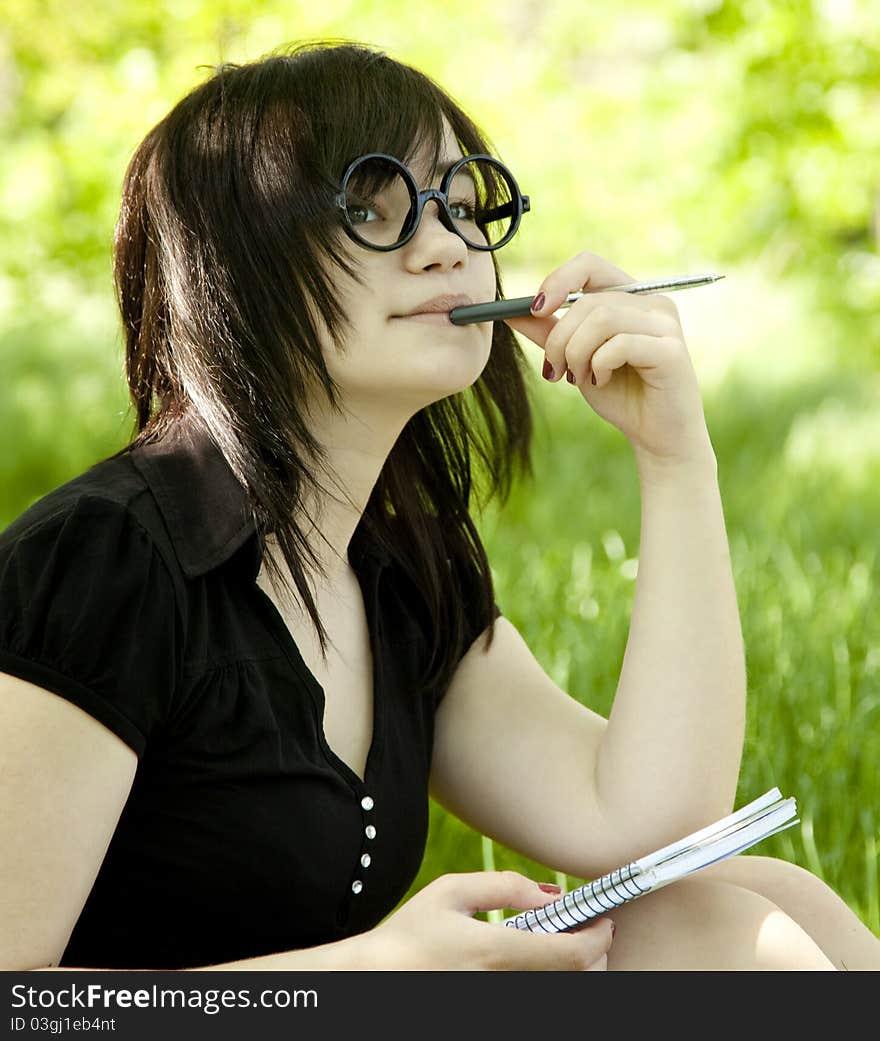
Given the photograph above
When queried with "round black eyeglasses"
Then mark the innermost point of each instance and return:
(478, 200)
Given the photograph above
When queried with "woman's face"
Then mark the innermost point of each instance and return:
(405, 363)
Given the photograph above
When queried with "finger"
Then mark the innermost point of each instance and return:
(474, 891)
(576, 337)
(539, 329)
(586, 271)
(569, 951)
(648, 354)
(664, 303)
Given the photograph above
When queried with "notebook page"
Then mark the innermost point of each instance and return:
(727, 846)
(787, 808)
(674, 848)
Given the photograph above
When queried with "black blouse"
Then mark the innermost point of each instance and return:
(131, 592)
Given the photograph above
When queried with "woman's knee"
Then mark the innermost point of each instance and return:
(812, 903)
(705, 924)
(764, 875)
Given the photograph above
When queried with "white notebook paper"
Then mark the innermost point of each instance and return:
(758, 820)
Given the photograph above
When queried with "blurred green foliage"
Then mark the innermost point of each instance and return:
(669, 137)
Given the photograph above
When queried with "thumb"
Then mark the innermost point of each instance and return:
(584, 948)
(536, 329)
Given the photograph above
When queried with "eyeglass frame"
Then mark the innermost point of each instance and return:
(418, 199)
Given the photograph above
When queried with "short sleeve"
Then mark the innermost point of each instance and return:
(88, 611)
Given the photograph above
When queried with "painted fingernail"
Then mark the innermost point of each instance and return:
(548, 370)
(538, 302)
(569, 375)
(549, 887)
(593, 378)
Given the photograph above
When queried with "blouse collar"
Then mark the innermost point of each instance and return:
(203, 504)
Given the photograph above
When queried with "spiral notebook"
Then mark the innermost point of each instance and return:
(758, 820)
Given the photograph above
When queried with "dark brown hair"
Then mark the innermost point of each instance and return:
(224, 251)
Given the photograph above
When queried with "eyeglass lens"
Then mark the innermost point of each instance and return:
(380, 207)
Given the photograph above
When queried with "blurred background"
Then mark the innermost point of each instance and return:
(740, 137)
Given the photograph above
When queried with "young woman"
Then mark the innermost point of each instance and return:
(239, 654)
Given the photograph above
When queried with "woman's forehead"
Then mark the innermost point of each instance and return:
(420, 163)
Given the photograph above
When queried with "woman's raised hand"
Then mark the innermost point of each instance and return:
(627, 356)
(435, 930)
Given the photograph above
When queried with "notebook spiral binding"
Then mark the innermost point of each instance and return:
(586, 902)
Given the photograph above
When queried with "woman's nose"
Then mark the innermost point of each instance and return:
(433, 235)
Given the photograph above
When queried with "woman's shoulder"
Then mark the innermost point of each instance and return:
(79, 515)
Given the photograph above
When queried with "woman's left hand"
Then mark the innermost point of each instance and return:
(633, 345)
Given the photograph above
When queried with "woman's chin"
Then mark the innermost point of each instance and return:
(428, 376)
(453, 378)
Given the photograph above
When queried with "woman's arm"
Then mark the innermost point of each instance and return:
(670, 755)
(522, 761)
(514, 755)
(64, 781)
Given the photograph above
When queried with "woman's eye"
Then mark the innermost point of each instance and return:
(358, 214)
(463, 210)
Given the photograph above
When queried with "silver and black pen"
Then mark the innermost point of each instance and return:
(520, 306)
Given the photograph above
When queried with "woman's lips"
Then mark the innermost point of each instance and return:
(432, 317)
